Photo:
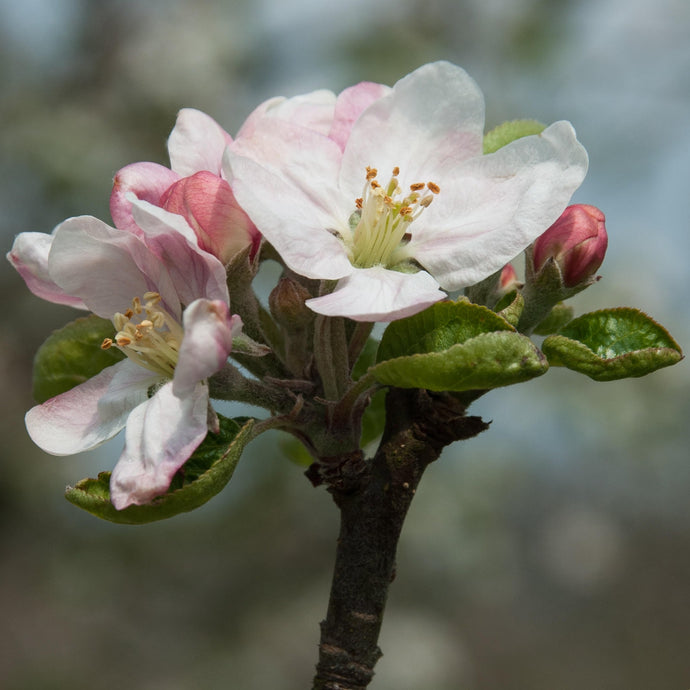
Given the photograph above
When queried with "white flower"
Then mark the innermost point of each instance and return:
(394, 200)
(169, 303)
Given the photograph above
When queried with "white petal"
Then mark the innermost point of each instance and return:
(297, 208)
(196, 143)
(377, 294)
(194, 272)
(350, 104)
(311, 110)
(433, 115)
(89, 414)
(496, 205)
(29, 256)
(106, 267)
(207, 342)
(161, 435)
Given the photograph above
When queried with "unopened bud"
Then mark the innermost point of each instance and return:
(508, 280)
(577, 241)
(287, 306)
(207, 203)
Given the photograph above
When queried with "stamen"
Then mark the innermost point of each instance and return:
(154, 342)
(380, 225)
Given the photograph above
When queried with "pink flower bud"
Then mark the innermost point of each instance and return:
(577, 241)
(209, 206)
(508, 280)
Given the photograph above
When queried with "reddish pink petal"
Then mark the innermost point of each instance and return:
(209, 206)
(147, 181)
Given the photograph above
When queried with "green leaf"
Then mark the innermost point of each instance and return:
(73, 355)
(510, 307)
(488, 360)
(206, 472)
(438, 328)
(455, 346)
(499, 136)
(365, 359)
(612, 344)
(555, 320)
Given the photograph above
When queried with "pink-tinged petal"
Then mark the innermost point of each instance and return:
(297, 208)
(29, 255)
(432, 117)
(89, 414)
(107, 267)
(147, 181)
(350, 105)
(210, 208)
(194, 272)
(161, 434)
(378, 294)
(208, 332)
(311, 110)
(496, 205)
(196, 143)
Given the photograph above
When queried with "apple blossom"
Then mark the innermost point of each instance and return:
(577, 241)
(169, 303)
(192, 187)
(397, 203)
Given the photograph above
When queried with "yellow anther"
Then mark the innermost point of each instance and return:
(433, 187)
(106, 344)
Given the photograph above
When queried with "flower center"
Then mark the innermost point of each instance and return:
(148, 335)
(383, 217)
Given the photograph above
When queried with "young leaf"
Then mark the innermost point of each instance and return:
(499, 136)
(488, 360)
(555, 320)
(612, 344)
(71, 355)
(510, 307)
(438, 328)
(206, 472)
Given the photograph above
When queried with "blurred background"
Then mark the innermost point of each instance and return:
(553, 552)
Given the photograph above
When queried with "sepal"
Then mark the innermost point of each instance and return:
(206, 472)
(612, 344)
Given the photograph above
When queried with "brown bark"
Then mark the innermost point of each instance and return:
(373, 498)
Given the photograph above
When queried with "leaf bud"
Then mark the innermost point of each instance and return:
(286, 303)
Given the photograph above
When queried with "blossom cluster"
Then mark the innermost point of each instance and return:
(381, 196)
